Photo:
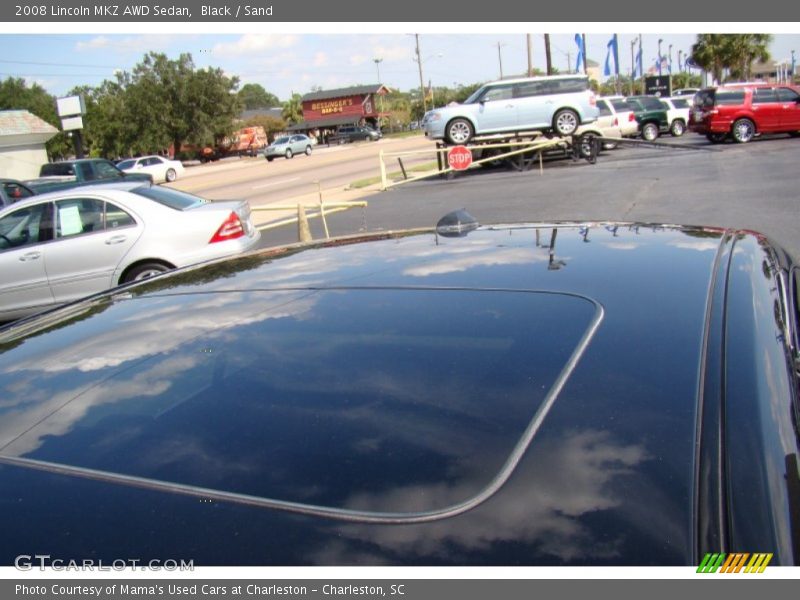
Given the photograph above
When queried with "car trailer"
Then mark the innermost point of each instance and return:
(518, 152)
(586, 145)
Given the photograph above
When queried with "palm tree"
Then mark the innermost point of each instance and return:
(293, 109)
(711, 53)
(734, 52)
(745, 49)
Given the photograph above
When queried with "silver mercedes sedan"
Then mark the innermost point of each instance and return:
(56, 248)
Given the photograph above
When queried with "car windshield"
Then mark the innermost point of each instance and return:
(473, 98)
(174, 199)
(282, 140)
(126, 164)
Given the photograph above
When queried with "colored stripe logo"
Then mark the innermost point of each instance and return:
(738, 562)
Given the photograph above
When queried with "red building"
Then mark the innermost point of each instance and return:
(327, 110)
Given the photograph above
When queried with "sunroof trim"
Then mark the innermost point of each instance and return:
(350, 515)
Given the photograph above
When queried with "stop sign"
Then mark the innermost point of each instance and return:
(459, 158)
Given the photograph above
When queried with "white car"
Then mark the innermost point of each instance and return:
(625, 115)
(677, 113)
(609, 123)
(162, 169)
(58, 247)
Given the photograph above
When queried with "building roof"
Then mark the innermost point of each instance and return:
(374, 88)
(22, 122)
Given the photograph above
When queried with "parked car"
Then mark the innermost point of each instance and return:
(606, 125)
(506, 395)
(685, 91)
(651, 115)
(677, 114)
(626, 118)
(161, 169)
(559, 103)
(288, 146)
(354, 133)
(58, 247)
(743, 111)
(66, 174)
(12, 191)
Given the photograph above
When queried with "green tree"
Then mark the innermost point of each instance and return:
(734, 53)
(744, 50)
(712, 53)
(171, 102)
(271, 125)
(293, 109)
(253, 95)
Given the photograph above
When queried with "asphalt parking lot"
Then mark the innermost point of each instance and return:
(751, 186)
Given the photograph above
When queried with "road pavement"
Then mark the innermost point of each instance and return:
(751, 186)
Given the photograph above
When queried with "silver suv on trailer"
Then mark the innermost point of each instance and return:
(559, 103)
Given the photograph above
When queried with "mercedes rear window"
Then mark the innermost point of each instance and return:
(174, 199)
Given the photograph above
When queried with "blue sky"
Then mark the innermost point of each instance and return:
(294, 62)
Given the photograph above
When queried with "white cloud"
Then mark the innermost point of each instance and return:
(358, 59)
(93, 44)
(250, 43)
(392, 53)
(320, 59)
(139, 44)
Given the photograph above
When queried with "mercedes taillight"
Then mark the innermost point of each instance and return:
(230, 229)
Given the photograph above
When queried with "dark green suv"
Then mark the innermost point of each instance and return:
(650, 115)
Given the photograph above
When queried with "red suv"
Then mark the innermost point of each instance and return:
(745, 110)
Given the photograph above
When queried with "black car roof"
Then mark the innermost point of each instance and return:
(509, 376)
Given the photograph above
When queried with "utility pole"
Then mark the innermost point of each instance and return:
(421, 80)
(633, 64)
(500, 58)
(378, 62)
(530, 56)
(547, 55)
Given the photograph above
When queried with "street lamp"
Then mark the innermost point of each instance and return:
(669, 67)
